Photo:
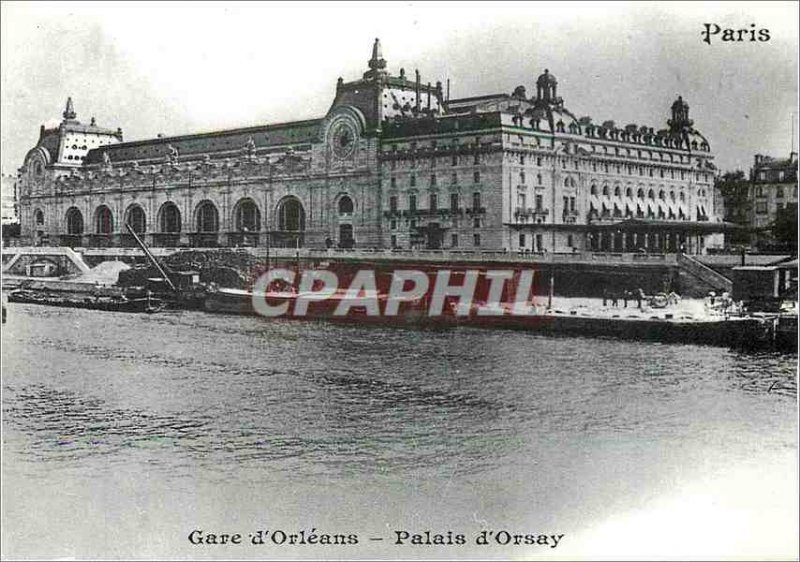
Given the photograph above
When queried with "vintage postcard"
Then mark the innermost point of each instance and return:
(401, 280)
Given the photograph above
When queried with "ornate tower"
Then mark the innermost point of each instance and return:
(69, 111)
(377, 64)
(546, 88)
(680, 116)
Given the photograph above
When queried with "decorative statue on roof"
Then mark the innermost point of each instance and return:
(250, 147)
(106, 160)
(172, 154)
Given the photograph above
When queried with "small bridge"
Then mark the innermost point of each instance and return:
(63, 261)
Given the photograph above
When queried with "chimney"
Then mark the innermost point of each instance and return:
(417, 89)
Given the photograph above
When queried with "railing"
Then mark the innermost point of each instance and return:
(243, 238)
(70, 240)
(101, 240)
(204, 239)
(705, 273)
(166, 239)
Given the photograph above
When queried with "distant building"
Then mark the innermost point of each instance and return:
(9, 199)
(773, 190)
(393, 164)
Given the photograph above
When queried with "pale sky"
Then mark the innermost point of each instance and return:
(182, 68)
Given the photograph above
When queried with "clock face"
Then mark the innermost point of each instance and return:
(343, 140)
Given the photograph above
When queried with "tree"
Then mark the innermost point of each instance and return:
(734, 188)
(784, 229)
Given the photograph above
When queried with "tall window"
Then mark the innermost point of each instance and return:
(207, 218)
(539, 202)
(476, 240)
(476, 200)
(433, 180)
(104, 223)
(476, 177)
(74, 221)
(170, 220)
(454, 202)
(345, 205)
(393, 203)
(136, 219)
(412, 202)
(413, 181)
(434, 202)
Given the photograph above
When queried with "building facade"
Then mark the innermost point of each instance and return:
(393, 164)
(9, 198)
(773, 190)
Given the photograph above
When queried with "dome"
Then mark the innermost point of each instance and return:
(680, 104)
(546, 79)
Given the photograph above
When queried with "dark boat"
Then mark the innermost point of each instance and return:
(83, 300)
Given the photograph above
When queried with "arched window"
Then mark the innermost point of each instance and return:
(38, 217)
(593, 189)
(74, 221)
(616, 191)
(629, 192)
(169, 219)
(682, 196)
(247, 216)
(650, 194)
(103, 220)
(345, 205)
(136, 219)
(291, 215)
(207, 219)
(605, 190)
(640, 193)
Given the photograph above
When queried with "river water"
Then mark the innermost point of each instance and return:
(123, 433)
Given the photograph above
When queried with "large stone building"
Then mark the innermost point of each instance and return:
(9, 199)
(773, 190)
(393, 163)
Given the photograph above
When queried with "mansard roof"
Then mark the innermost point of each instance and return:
(292, 133)
(439, 125)
(769, 163)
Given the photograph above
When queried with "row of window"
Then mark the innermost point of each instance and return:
(247, 218)
(762, 209)
(522, 200)
(412, 180)
(640, 193)
(454, 161)
(476, 240)
(537, 240)
(476, 223)
(433, 202)
(779, 193)
(606, 212)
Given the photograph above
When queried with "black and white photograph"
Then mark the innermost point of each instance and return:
(399, 280)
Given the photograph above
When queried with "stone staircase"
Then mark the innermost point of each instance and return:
(713, 280)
